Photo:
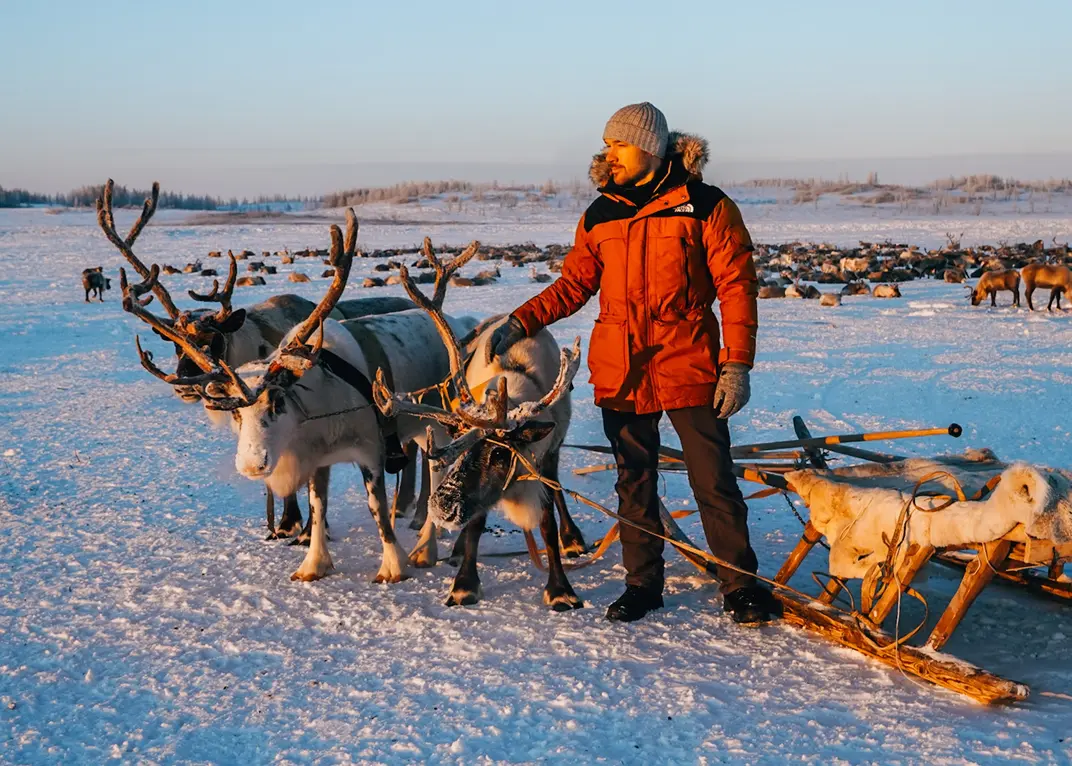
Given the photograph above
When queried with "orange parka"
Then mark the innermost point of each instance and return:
(658, 270)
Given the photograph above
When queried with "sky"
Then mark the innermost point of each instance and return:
(244, 98)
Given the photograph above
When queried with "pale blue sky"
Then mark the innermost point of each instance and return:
(248, 97)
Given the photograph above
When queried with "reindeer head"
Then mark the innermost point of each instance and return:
(486, 437)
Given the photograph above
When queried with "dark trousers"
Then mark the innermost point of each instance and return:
(705, 440)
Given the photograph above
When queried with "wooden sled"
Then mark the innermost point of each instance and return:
(1004, 558)
(1007, 559)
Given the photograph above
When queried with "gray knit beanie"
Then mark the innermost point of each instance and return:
(641, 125)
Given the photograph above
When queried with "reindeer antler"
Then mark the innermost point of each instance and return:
(132, 304)
(474, 421)
(106, 220)
(342, 258)
(296, 357)
(434, 307)
(215, 296)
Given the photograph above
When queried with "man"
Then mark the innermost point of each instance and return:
(659, 245)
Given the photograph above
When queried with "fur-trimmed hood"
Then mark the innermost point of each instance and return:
(690, 150)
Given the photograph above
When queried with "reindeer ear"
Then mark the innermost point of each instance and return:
(531, 432)
(233, 322)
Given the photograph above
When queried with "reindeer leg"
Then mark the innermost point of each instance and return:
(425, 553)
(1016, 297)
(407, 483)
(993, 299)
(457, 551)
(1054, 293)
(306, 531)
(466, 590)
(420, 512)
(1027, 294)
(559, 593)
(291, 523)
(570, 537)
(393, 567)
(317, 561)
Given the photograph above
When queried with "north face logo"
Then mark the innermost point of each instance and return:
(686, 208)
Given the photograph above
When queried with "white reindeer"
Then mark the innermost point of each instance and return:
(295, 416)
(523, 406)
(238, 336)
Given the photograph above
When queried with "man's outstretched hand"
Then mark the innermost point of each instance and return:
(732, 391)
(505, 335)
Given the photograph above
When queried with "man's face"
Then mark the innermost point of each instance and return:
(629, 164)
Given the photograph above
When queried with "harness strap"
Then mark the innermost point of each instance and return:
(396, 458)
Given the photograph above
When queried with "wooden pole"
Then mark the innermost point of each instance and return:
(675, 532)
(761, 477)
(864, 454)
(978, 573)
(953, 430)
(909, 568)
(807, 541)
(815, 457)
(1043, 586)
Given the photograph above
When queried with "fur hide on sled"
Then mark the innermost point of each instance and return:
(855, 507)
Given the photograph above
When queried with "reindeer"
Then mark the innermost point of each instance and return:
(993, 281)
(523, 407)
(1057, 278)
(94, 281)
(243, 335)
(298, 412)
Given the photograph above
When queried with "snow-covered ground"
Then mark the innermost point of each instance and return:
(144, 619)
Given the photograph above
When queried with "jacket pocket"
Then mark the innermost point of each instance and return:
(688, 349)
(608, 352)
(670, 262)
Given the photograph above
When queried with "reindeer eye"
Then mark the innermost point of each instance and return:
(279, 405)
(235, 416)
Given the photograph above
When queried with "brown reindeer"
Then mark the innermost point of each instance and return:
(1057, 278)
(94, 281)
(993, 281)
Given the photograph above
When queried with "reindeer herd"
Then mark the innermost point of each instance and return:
(306, 386)
(782, 269)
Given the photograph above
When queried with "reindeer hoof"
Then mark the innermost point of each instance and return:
(562, 602)
(573, 548)
(463, 597)
(302, 541)
(311, 575)
(390, 579)
(422, 560)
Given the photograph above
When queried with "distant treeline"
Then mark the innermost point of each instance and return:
(20, 197)
(398, 193)
(86, 196)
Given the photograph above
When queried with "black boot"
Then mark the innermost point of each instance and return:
(752, 605)
(634, 604)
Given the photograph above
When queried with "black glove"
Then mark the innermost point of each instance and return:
(505, 335)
